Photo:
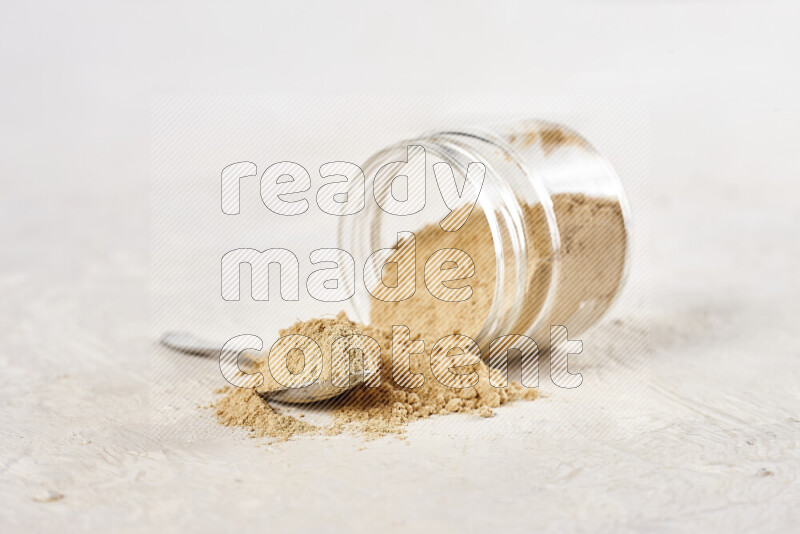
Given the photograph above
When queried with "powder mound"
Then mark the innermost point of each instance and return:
(292, 367)
(369, 411)
(249, 409)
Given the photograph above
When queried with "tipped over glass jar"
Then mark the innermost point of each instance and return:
(547, 239)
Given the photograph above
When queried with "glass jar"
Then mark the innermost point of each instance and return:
(548, 236)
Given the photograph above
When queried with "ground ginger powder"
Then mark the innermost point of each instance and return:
(592, 231)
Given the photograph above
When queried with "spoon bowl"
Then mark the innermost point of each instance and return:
(316, 391)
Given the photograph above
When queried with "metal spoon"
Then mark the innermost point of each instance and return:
(300, 394)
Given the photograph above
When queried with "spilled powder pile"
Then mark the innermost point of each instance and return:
(593, 241)
(371, 411)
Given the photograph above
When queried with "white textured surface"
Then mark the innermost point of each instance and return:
(711, 442)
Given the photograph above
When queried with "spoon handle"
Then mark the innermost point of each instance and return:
(190, 344)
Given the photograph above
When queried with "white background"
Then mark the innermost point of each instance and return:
(710, 442)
